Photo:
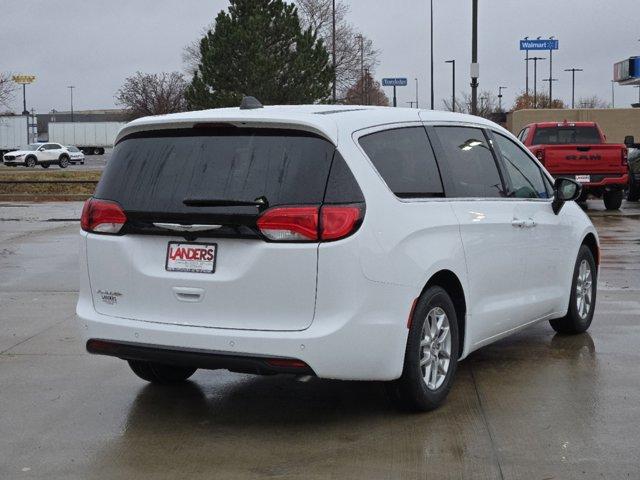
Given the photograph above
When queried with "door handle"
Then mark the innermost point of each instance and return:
(189, 295)
(517, 223)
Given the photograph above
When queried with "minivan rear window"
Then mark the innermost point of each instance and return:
(156, 171)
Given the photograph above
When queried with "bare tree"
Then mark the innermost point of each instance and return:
(191, 55)
(592, 102)
(350, 60)
(487, 103)
(153, 94)
(7, 89)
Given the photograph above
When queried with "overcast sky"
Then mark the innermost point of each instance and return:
(95, 44)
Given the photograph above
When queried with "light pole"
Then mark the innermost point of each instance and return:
(417, 105)
(432, 95)
(573, 84)
(361, 39)
(526, 61)
(551, 80)
(333, 52)
(474, 57)
(535, 79)
(500, 97)
(71, 87)
(453, 84)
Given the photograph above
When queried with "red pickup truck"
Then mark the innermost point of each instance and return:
(578, 150)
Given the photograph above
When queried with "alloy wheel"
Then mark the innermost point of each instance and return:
(435, 348)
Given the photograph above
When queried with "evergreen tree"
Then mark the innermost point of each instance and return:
(258, 48)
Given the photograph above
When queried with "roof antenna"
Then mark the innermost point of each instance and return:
(250, 103)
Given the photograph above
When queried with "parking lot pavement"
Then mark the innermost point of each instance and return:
(533, 406)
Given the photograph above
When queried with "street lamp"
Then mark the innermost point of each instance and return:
(432, 95)
(71, 87)
(417, 105)
(573, 84)
(500, 97)
(360, 38)
(551, 80)
(474, 57)
(613, 94)
(333, 52)
(535, 79)
(453, 84)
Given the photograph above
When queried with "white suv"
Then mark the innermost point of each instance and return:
(355, 243)
(43, 154)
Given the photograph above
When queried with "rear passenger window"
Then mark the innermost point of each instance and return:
(472, 167)
(342, 186)
(405, 160)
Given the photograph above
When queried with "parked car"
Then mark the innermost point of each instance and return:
(355, 243)
(633, 194)
(43, 154)
(579, 150)
(75, 155)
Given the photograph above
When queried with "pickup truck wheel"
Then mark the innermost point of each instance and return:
(63, 161)
(159, 373)
(30, 162)
(431, 355)
(613, 199)
(44, 165)
(582, 301)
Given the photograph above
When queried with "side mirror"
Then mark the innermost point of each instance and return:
(629, 141)
(564, 190)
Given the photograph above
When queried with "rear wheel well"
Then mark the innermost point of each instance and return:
(450, 282)
(592, 244)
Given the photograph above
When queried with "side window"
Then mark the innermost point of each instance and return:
(405, 160)
(472, 167)
(342, 186)
(525, 176)
(50, 146)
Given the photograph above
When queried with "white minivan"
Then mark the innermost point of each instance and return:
(343, 242)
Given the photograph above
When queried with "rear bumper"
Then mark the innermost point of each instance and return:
(600, 179)
(365, 344)
(198, 358)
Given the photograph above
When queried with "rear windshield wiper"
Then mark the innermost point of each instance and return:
(260, 202)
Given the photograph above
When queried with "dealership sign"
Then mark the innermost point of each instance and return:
(548, 44)
(394, 82)
(24, 79)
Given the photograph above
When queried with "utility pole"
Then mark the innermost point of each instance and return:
(475, 70)
(613, 94)
(573, 84)
(71, 87)
(453, 84)
(551, 80)
(432, 95)
(417, 105)
(333, 52)
(361, 39)
(367, 92)
(535, 79)
(526, 61)
(500, 97)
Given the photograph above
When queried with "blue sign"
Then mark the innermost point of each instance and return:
(394, 82)
(539, 44)
(627, 72)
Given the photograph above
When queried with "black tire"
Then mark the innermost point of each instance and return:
(633, 195)
(584, 196)
(63, 161)
(44, 165)
(159, 373)
(613, 199)
(30, 162)
(410, 392)
(574, 322)
(99, 151)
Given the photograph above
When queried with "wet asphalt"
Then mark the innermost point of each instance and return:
(533, 406)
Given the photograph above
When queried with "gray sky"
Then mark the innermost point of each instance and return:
(95, 44)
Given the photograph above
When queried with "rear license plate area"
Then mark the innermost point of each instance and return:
(191, 257)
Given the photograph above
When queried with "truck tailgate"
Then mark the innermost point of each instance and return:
(584, 159)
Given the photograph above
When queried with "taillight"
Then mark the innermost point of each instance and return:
(102, 216)
(625, 157)
(338, 221)
(309, 224)
(540, 156)
(287, 224)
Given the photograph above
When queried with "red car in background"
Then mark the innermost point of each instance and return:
(578, 150)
